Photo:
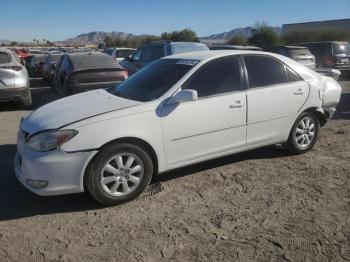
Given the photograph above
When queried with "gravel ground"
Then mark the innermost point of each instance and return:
(262, 205)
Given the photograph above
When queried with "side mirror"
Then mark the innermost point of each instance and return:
(183, 96)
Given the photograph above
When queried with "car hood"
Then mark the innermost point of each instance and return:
(73, 109)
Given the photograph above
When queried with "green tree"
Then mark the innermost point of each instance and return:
(239, 39)
(186, 35)
(14, 43)
(263, 35)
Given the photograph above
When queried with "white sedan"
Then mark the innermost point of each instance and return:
(179, 110)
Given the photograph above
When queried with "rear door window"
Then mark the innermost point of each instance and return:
(264, 71)
(4, 58)
(221, 75)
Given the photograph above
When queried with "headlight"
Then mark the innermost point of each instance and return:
(50, 140)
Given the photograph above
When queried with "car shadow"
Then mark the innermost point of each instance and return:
(268, 152)
(343, 108)
(18, 202)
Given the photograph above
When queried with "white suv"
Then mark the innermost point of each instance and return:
(177, 111)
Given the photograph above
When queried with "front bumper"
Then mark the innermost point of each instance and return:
(62, 171)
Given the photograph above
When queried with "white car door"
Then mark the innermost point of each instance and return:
(213, 124)
(275, 94)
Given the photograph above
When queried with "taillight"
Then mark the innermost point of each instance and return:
(330, 60)
(125, 74)
(16, 68)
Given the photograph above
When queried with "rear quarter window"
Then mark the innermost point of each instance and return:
(4, 58)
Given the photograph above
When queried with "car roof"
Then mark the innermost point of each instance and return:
(168, 42)
(203, 55)
(237, 47)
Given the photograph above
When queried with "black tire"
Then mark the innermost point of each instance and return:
(94, 173)
(292, 145)
(27, 102)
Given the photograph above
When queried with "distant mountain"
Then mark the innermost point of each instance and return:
(92, 38)
(96, 37)
(246, 31)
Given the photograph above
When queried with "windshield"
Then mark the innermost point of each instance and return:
(154, 80)
(343, 48)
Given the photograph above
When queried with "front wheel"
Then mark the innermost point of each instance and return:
(119, 174)
(304, 133)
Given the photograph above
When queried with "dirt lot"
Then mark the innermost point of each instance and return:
(263, 205)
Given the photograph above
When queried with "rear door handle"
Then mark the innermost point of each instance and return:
(237, 104)
(299, 91)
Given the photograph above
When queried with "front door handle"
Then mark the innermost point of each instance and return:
(237, 104)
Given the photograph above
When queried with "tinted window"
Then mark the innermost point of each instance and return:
(219, 76)
(151, 53)
(124, 53)
(137, 55)
(341, 48)
(264, 71)
(4, 58)
(152, 81)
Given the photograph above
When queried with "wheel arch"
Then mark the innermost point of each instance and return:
(320, 115)
(131, 140)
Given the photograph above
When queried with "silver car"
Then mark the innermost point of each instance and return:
(14, 81)
(300, 54)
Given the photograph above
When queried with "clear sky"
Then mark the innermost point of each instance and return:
(54, 20)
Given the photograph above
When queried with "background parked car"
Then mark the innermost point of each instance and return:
(49, 66)
(81, 72)
(235, 47)
(119, 53)
(21, 53)
(34, 65)
(331, 54)
(157, 49)
(14, 81)
(300, 54)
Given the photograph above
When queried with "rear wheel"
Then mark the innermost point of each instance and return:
(119, 173)
(304, 133)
